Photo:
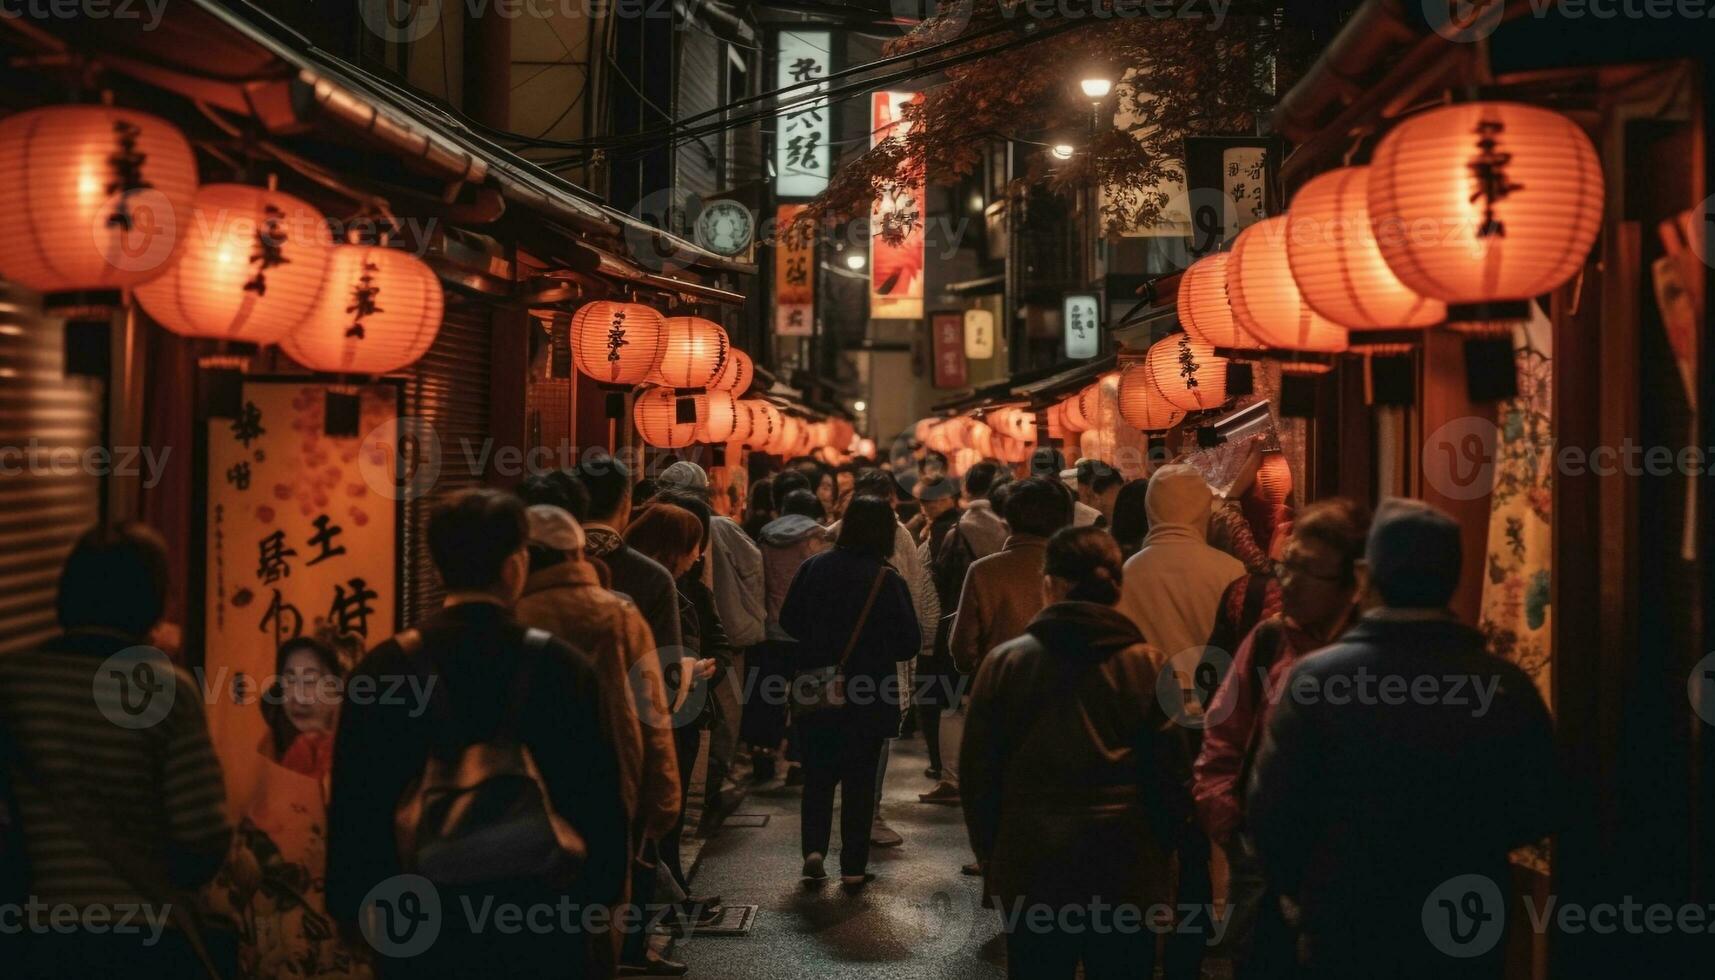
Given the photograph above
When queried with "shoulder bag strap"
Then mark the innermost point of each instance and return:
(863, 617)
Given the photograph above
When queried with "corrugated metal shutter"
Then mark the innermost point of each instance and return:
(450, 393)
(41, 512)
(701, 66)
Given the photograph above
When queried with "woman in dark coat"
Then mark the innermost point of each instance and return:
(824, 608)
(1074, 787)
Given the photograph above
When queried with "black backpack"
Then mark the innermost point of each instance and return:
(485, 816)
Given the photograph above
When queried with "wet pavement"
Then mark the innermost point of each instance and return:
(920, 918)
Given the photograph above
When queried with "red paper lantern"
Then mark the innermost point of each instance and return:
(1142, 405)
(656, 413)
(1056, 421)
(1187, 373)
(379, 311)
(1072, 413)
(1203, 308)
(96, 199)
(1484, 206)
(1014, 423)
(1274, 478)
(693, 354)
(250, 268)
(1266, 300)
(736, 375)
(718, 415)
(616, 343)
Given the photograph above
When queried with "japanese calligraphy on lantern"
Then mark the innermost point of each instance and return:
(979, 334)
(1244, 179)
(802, 162)
(895, 267)
(1082, 313)
(947, 345)
(794, 275)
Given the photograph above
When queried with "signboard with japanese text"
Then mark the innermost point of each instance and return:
(300, 558)
(1230, 179)
(979, 334)
(895, 268)
(1082, 317)
(802, 162)
(947, 346)
(794, 275)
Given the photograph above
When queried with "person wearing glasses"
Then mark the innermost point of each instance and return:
(1319, 597)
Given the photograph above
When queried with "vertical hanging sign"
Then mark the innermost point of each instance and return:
(802, 162)
(947, 345)
(895, 269)
(979, 335)
(1082, 313)
(794, 275)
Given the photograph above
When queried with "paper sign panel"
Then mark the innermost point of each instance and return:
(895, 270)
(794, 276)
(802, 162)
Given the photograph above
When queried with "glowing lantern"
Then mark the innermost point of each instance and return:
(979, 335)
(979, 437)
(788, 437)
(1339, 268)
(1203, 308)
(717, 413)
(617, 343)
(736, 375)
(1014, 423)
(1090, 405)
(379, 310)
(920, 431)
(1072, 414)
(1274, 478)
(1484, 206)
(96, 200)
(250, 268)
(1187, 373)
(765, 422)
(693, 354)
(1266, 301)
(744, 421)
(656, 415)
(1142, 405)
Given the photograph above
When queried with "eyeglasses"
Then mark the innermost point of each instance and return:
(1285, 569)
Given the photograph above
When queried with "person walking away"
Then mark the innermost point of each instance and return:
(981, 525)
(761, 509)
(644, 582)
(1073, 785)
(564, 597)
(850, 611)
(937, 686)
(114, 812)
(1319, 586)
(1380, 817)
(1131, 518)
(786, 543)
(495, 685)
(1046, 461)
(673, 531)
(1099, 487)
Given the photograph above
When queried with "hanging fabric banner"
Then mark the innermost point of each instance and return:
(300, 580)
(895, 269)
(794, 275)
(801, 160)
(947, 338)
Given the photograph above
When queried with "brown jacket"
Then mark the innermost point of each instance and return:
(1002, 593)
(568, 601)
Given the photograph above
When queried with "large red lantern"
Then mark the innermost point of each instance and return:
(250, 268)
(656, 414)
(1484, 206)
(1203, 308)
(736, 375)
(379, 311)
(1187, 373)
(1141, 403)
(616, 343)
(717, 413)
(1266, 300)
(96, 200)
(693, 353)
(1339, 269)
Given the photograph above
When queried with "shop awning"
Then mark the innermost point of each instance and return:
(1046, 389)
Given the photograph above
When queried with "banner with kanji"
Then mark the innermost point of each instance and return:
(896, 268)
(794, 275)
(301, 554)
(947, 344)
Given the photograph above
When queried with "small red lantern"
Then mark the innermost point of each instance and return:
(1204, 310)
(1484, 206)
(736, 375)
(1266, 301)
(1141, 403)
(96, 200)
(379, 311)
(1187, 373)
(617, 343)
(1072, 414)
(250, 269)
(1274, 478)
(656, 415)
(693, 354)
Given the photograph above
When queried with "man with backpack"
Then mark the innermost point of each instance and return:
(477, 827)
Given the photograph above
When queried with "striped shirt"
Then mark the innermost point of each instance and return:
(150, 778)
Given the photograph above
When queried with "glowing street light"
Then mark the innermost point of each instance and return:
(855, 260)
(1063, 151)
(1096, 88)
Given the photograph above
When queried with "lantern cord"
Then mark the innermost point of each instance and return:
(306, 169)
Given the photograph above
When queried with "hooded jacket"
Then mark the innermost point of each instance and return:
(1072, 781)
(785, 543)
(1173, 586)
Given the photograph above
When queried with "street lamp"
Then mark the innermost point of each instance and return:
(859, 405)
(855, 260)
(1063, 151)
(1096, 88)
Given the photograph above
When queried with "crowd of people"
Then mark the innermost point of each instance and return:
(1109, 678)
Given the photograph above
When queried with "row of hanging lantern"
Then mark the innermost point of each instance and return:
(103, 199)
(1463, 216)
